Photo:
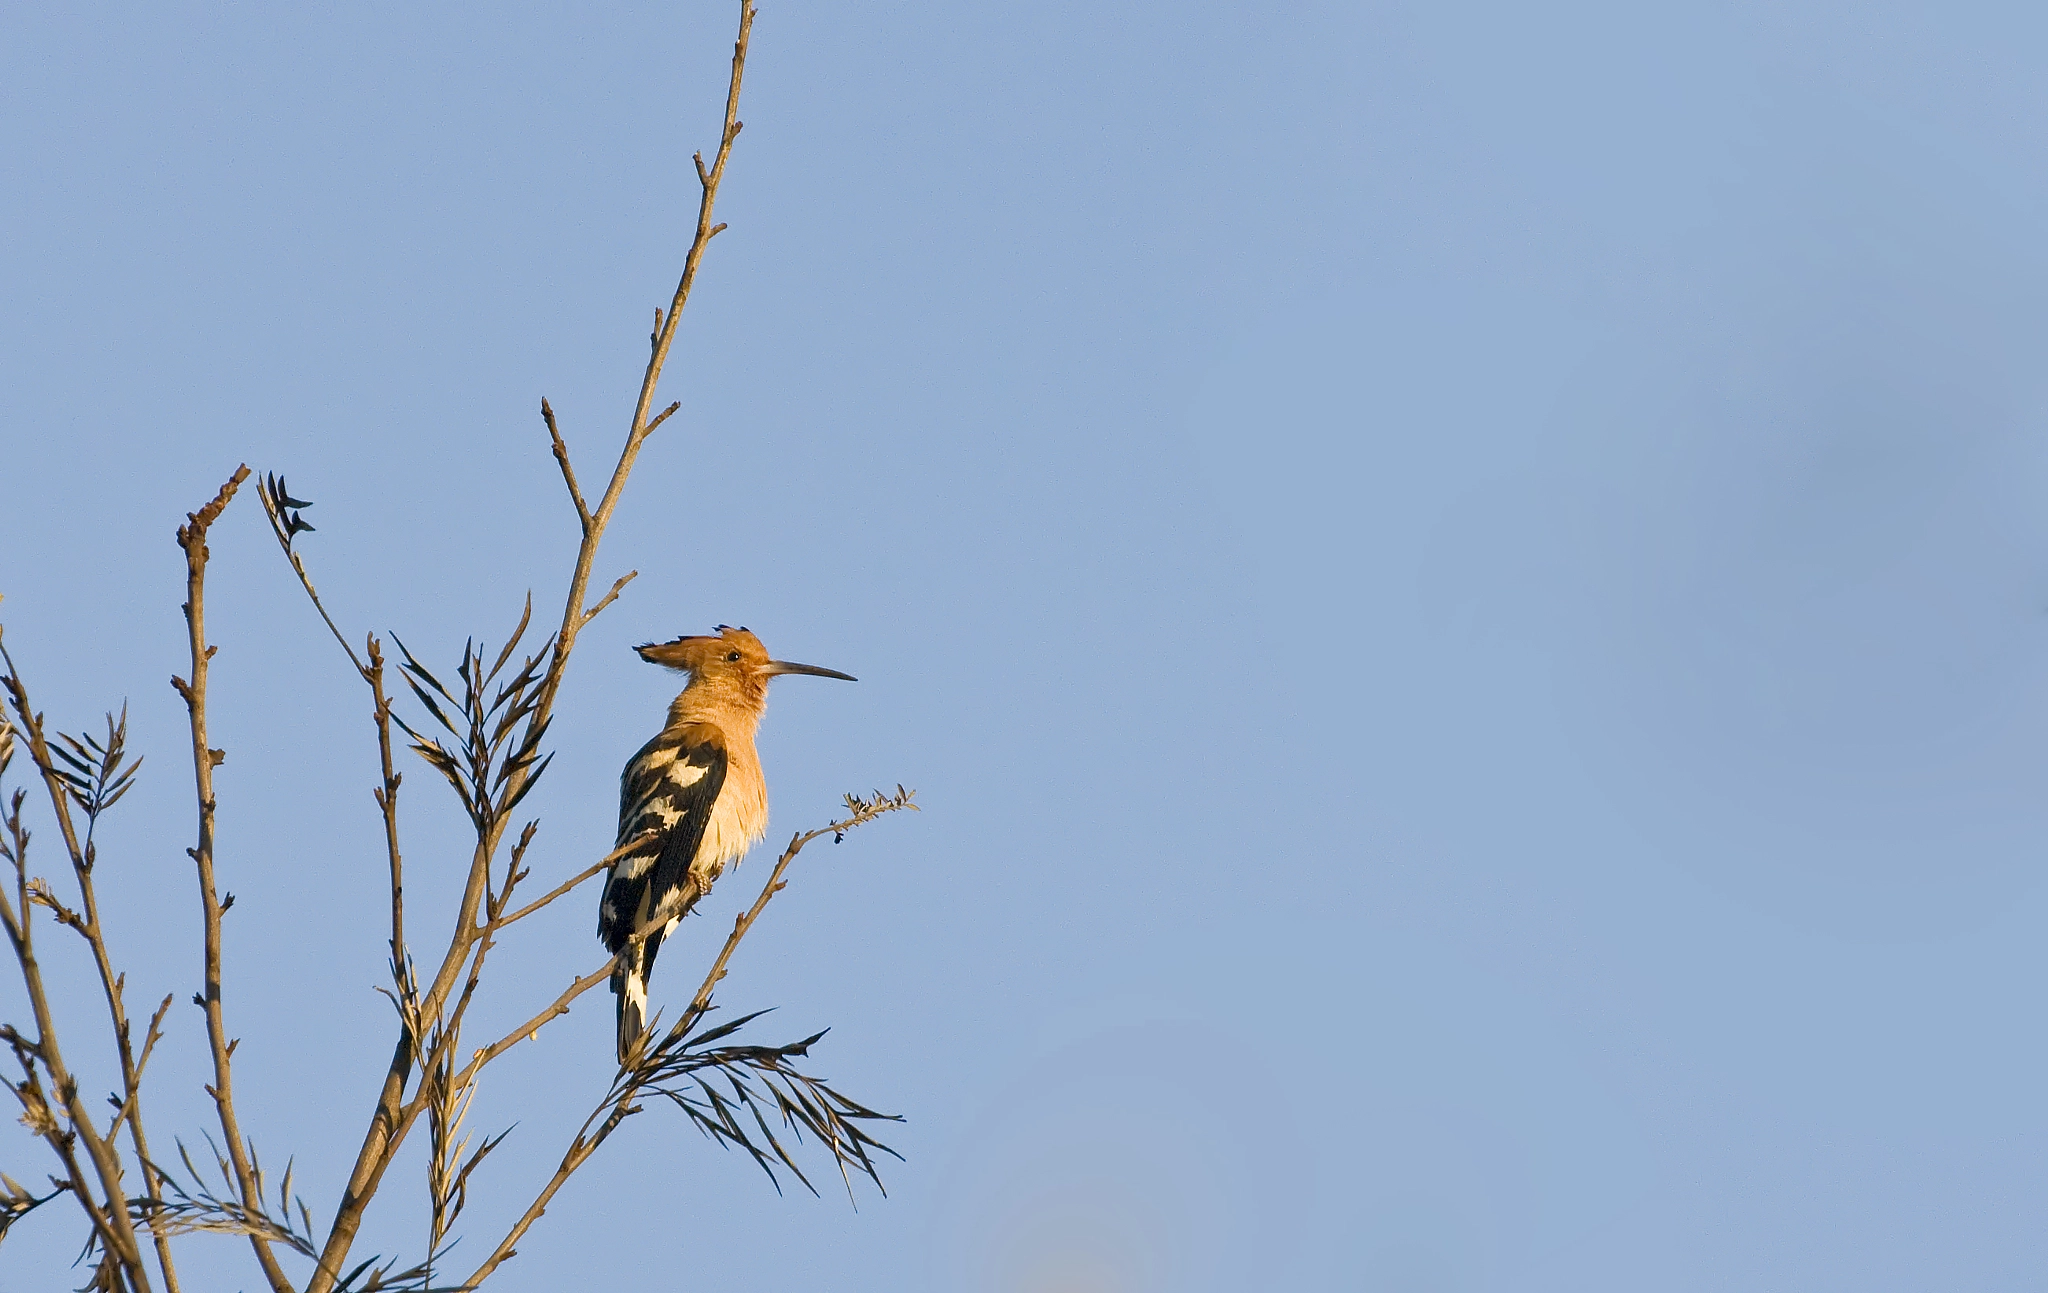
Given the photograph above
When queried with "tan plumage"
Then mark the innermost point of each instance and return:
(693, 797)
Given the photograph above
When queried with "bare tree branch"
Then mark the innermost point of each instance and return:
(585, 874)
(637, 432)
(64, 1122)
(547, 414)
(192, 538)
(53, 1127)
(668, 412)
(386, 794)
(611, 596)
(94, 781)
(524, 1032)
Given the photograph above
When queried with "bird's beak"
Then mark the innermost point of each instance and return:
(783, 666)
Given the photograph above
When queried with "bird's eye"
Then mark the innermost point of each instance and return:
(733, 656)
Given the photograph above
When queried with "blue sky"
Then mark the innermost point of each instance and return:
(1462, 589)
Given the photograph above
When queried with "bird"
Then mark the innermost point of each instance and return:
(691, 803)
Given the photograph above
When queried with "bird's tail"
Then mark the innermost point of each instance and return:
(629, 984)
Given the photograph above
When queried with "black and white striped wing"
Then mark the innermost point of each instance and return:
(666, 793)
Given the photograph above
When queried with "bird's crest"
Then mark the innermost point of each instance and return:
(694, 653)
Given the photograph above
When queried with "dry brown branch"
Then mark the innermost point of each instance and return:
(637, 431)
(51, 1125)
(547, 414)
(286, 524)
(96, 785)
(386, 795)
(128, 1107)
(524, 1032)
(668, 412)
(192, 539)
(611, 596)
(95, 781)
(586, 873)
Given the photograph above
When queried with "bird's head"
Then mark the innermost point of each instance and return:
(732, 662)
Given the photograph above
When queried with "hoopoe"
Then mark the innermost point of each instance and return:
(694, 799)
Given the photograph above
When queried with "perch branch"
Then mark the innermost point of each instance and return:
(618, 1104)
(861, 812)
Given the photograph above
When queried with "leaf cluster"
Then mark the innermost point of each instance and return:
(740, 1095)
(200, 1210)
(481, 768)
(285, 512)
(92, 773)
(16, 1201)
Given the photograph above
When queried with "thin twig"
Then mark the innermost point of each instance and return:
(637, 432)
(579, 1152)
(668, 412)
(553, 1011)
(149, 1041)
(611, 596)
(284, 526)
(577, 879)
(547, 414)
(386, 794)
(542, 901)
(280, 525)
(369, 1166)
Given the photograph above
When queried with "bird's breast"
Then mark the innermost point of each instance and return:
(738, 820)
